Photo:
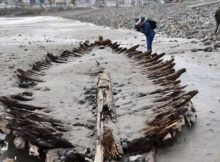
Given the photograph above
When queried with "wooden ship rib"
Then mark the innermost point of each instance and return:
(171, 108)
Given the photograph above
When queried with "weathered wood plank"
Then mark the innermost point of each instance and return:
(107, 143)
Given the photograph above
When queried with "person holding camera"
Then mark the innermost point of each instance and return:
(147, 28)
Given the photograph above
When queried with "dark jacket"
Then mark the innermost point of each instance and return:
(145, 28)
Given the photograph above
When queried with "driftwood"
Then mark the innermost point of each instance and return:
(56, 58)
(132, 48)
(134, 53)
(26, 76)
(21, 97)
(102, 42)
(122, 50)
(41, 130)
(11, 103)
(67, 53)
(107, 145)
(115, 45)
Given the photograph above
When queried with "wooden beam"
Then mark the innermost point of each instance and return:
(107, 143)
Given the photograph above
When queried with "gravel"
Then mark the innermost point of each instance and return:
(174, 19)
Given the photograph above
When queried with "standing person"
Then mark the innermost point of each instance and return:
(217, 19)
(147, 28)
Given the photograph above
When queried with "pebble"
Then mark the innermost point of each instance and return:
(11, 66)
(136, 158)
(194, 50)
(82, 102)
(46, 89)
(207, 43)
(208, 49)
(217, 45)
(78, 124)
(124, 144)
(90, 126)
(194, 42)
(141, 94)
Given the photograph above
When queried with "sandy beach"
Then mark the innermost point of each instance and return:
(24, 40)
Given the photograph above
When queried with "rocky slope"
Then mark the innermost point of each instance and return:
(174, 19)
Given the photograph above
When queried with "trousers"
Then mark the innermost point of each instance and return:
(150, 38)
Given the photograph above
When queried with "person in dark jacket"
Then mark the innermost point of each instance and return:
(143, 26)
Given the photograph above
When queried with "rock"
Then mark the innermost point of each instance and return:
(121, 85)
(207, 43)
(2, 138)
(52, 156)
(19, 143)
(82, 102)
(72, 156)
(205, 39)
(90, 126)
(11, 67)
(115, 93)
(93, 121)
(194, 42)
(217, 45)
(141, 94)
(102, 47)
(194, 50)
(136, 158)
(46, 89)
(124, 144)
(36, 88)
(208, 49)
(78, 124)
(33, 150)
